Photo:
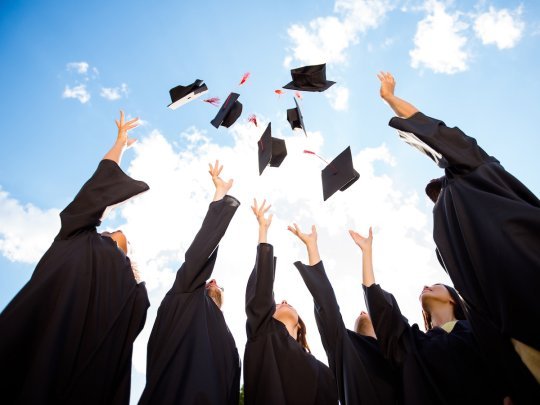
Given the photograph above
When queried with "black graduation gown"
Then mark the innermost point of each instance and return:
(486, 225)
(67, 336)
(277, 370)
(192, 356)
(436, 367)
(362, 374)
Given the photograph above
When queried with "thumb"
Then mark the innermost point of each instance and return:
(131, 141)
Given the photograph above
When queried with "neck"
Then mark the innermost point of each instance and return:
(292, 328)
(441, 314)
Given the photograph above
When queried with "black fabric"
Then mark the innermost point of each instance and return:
(277, 370)
(192, 356)
(67, 336)
(362, 374)
(487, 232)
(436, 367)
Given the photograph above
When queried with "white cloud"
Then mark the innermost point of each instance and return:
(162, 223)
(339, 97)
(79, 67)
(114, 93)
(79, 92)
(439, 41)
(503, 28)
(325, 39)
(26, 231)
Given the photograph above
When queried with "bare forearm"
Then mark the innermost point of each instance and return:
(368, 277)
(313, 253)
(263, 233)
(219, 194)
(115, 153)
(401, 107)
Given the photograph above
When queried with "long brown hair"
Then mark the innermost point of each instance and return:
(301, 335)
(459, 308)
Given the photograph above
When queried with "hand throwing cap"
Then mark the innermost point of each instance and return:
(339, 174)
(295, 118)
(181, 95)
(271, 150)
(309, 78)
(229, 112)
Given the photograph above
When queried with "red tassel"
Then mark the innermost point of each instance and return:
(328, 164)
(215, 101)
(279, 92)
(298, 95)
(253, 118)
(244, 78)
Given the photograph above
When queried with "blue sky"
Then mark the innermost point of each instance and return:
(473, 65)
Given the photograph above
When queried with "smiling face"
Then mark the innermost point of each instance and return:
(214, 291)
(436, 292)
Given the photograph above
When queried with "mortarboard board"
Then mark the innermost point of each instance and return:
(229, 112)
(309, 78)
(271, 150)
(295, 118)
(181, 95)
(339, 174)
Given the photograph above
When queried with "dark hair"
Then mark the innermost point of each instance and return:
(459, 308)
(301, 335)
(433, 189)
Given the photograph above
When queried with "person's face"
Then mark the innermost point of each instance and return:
(436, 292)
(285, 312)
(120, 239)
(363, 325)
(215, 292)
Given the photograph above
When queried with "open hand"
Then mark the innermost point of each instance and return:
(124, 127)
(307, 238)
(222, 186)
(363, 242)
(264, 222)
(388, 84)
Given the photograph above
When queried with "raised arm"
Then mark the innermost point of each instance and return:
(123, 142)
(392, 328)
(260, 304)
(401, 107)
(201, 255)
(448, 147)
(108, 186)
(329, 321)
(365, 244)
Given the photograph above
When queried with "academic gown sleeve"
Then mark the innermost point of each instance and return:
(352, 376)
(202, 253)
(260, 303)
(460, 153)
(108, 186)
(390, 325)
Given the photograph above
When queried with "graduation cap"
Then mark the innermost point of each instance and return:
(271, 150)
(295, 118)
(229, 112)
(181, 95)
(309, 78)
(339, 174)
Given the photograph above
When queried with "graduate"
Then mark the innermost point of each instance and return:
(442, 365)
(192, 356)
(278, 366)
(362, 374)
(67, 336)
(486, 225)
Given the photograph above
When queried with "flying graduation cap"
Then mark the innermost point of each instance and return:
(309, 78)
(295, 118)
(181, 95)
(339, 174)
(271, 150)
(229, 112)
